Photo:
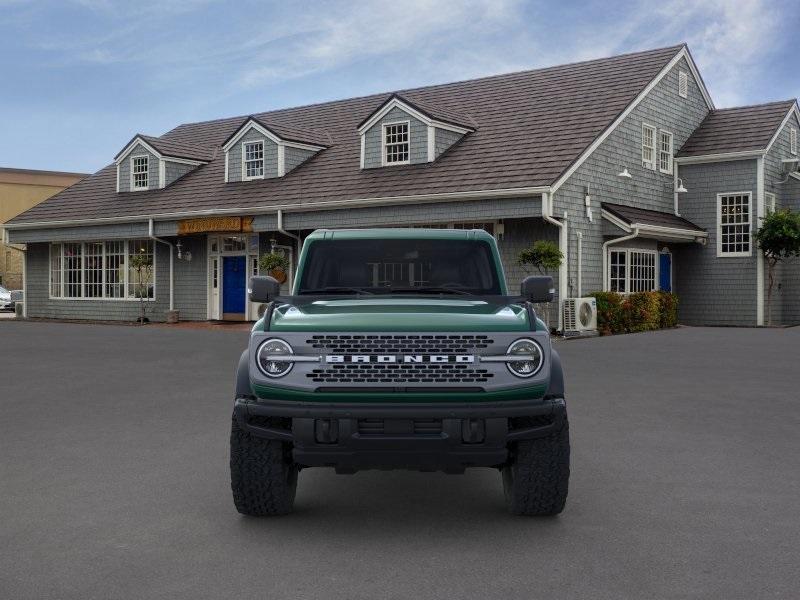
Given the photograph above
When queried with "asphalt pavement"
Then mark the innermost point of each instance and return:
(114, 481)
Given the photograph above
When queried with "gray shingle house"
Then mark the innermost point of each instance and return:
(623, 161)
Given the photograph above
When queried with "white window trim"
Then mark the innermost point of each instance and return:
(683, 84)
(646, 164)
(720, 253)
(383, 143)
(793, 140)
(263, 160)
(133, 188)
(102, 298)
(770, 202)
(627, 250)
(671, 167)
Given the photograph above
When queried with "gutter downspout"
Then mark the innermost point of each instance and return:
(605, 254)
(547, 211)
(296, 238)
(151, 235)
(580, 264)
(675, 187)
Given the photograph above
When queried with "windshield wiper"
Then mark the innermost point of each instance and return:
(432, 289)
(333, 289)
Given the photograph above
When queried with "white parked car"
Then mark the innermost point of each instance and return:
(5, 299)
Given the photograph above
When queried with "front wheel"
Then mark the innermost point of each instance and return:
(263, 476)
(536, 479)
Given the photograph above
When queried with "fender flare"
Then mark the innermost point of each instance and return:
(243, 376)
(556, 387)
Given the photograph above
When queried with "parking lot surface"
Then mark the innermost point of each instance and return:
(114, 480)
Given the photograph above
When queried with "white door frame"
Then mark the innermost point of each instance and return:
(216, 255)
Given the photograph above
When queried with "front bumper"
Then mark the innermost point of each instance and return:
(430, 437)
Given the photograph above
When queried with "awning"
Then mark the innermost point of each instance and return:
(652, 223)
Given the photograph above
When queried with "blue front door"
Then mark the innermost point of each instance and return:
(665, 272)
(233, 284)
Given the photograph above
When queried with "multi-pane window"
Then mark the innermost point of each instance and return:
(792, 140)
(632, 271)
(641, 271)
(73, 270)
(683, 84)
(618, 271)
(665, 152)
(140, 269)
(395, 143)
(733, 235)
(100, 270)
(648, 146)
(116, 253)
(253, 160)
(93, 270)
(140, 172)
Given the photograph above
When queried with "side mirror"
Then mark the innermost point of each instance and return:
(263, 289)
(538, 289)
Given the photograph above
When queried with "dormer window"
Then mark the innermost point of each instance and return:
(253, 160)
(140, 176)
(395, 143)
(401, 132)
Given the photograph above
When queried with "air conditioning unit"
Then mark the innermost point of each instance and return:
(580, 316)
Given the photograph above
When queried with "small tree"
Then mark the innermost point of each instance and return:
(142, 265)
(778, 236)
(544, 255)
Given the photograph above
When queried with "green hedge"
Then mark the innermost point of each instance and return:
(641, 311)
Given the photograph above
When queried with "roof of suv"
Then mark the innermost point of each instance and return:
(400, 234)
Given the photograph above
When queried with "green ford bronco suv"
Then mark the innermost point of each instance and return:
(400, 349)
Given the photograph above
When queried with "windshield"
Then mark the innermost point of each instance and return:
(3, 290)
(412, 266)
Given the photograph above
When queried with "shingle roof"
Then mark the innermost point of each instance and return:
(287, 132)
(631, 215)
(431, 111)
(173, 148)
(530, 127)
(737, 129)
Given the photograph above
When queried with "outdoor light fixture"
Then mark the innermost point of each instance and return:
(187, 256)
(624, 173)
(680, 189)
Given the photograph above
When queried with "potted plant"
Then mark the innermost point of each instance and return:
(276, 265)
(142, 266)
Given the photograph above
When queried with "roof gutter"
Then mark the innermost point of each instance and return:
(151, 235)
(296, 207)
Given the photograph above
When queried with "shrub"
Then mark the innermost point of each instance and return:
(640, 311)
(643, 311)
(543, 254)
(669, 309)
(609, 312)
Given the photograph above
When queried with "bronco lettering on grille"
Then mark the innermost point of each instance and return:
(395, 358)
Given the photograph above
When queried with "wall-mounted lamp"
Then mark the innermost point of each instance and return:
(680, 189)
(187, 256)
(624, 173)
(587, 200)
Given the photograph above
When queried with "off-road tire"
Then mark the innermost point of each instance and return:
(536, 478)
(263, 476)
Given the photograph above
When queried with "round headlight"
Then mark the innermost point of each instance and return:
(270, 367)
(532, 361)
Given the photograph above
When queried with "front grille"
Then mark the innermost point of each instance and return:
(399, 373)
(393, 373)
(416, 426)
(399, 344)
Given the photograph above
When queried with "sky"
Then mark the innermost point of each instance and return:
(81, 77)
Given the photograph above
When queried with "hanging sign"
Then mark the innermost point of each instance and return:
(209, 224)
